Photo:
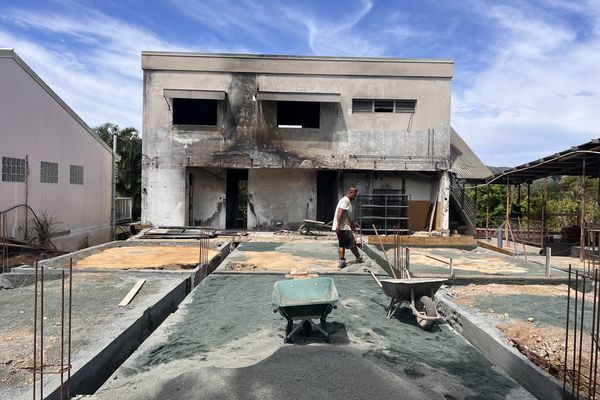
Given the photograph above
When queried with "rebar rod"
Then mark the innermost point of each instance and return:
(581, 334)
(62, 335)
(35, 307)
(573, 381)
(595, 278)
(69, 329)
(42, 334)
(595, 348)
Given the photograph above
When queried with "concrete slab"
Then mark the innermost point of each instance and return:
(480, 262)
(225, 342)
(292, 257)
(102, 332)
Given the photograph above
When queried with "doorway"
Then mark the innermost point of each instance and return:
(327, 189)
(237, 199)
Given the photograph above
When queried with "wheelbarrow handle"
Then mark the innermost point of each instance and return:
(374, 277)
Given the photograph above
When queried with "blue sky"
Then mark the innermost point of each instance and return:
(526, 84)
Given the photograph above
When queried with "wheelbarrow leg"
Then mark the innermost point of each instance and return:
(322, 327)
(289, 336)
(393, 308)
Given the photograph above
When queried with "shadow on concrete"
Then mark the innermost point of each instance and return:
(337, 335)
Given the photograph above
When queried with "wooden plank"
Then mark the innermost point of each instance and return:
(134, 290)
(489, 246)
(448, 241)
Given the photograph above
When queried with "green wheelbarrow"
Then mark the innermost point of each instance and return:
(310, 225)
(305, 300)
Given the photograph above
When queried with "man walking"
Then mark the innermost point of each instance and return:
(342, 225)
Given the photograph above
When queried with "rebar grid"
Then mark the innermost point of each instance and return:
(401, 254)
(39, 366)
(580, 368)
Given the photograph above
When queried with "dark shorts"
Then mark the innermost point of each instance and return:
(346, 239)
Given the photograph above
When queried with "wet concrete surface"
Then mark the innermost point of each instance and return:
(225, 342)
(96, 320)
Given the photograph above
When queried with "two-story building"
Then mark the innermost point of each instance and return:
(265, 142)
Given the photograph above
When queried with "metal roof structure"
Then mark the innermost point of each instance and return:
(576, 161)
(464, 162)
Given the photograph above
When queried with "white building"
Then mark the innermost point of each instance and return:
(52, 162)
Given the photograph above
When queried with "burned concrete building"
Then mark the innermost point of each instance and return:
(264, 142)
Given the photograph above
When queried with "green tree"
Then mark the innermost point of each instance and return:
(129, 171)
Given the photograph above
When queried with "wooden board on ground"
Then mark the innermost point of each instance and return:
(490, 246)
(134, 290)
(447, 241)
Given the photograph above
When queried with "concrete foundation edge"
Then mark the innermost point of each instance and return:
(538, 382)
(90, 376)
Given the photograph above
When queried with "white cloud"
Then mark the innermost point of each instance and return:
(537, 95)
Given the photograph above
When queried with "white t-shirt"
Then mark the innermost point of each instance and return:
(345, 205)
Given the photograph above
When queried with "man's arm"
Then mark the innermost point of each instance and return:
(340, 214)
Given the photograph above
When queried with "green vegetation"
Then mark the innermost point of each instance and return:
(129, 173)
(563, 204)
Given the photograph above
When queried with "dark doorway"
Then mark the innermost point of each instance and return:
(327, 189)
(237, 199)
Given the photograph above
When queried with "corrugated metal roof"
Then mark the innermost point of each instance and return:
(464, 162)
(568, 162)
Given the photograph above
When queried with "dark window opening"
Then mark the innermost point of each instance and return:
(361, 106)
(406, 106)
(194, 112)
(298, 114)
(383, 106)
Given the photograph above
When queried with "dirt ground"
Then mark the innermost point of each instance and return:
(469, 260)
(466, 295)
(545, 346)
(144, 257)
(26, 259)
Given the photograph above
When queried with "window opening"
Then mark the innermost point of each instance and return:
(48, 172)
(194, 112)
(76, 175)
(13, 169)
(298, 114)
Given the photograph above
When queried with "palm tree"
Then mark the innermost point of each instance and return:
(129, 170)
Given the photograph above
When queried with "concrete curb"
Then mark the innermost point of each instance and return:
(487, 339)
(90, 374)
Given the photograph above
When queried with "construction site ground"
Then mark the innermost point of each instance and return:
(144, 257)
(295, 257)
(96, 321)
(225, 342)
(479, 262)
(532, 318)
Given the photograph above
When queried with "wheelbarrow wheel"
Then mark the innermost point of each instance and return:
(307, 328)
(304, 230)
(426, 305)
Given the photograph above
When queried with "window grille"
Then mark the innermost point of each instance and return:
(383, 106)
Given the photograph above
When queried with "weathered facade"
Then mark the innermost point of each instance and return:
(52, 162)
(264, 142)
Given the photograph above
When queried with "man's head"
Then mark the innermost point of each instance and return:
(352, 192)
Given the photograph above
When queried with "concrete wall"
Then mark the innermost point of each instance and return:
(247, 135)
(209, 189)
(34, 125)
(280, 196)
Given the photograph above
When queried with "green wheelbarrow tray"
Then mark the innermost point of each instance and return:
(312, 225)
(305, 300)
